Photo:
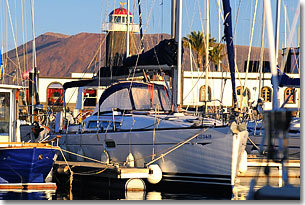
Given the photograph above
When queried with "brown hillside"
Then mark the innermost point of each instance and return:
(59, 55)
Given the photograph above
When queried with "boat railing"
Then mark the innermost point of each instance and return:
(25, 144)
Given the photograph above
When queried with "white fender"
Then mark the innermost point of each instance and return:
(130, 160)
(156, 174)
(243, 163)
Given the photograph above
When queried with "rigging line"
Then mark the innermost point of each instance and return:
(249, 53)
(261, 55)
(24, 54)
(149, 15)
(218, 3)
(290, 37)
(86, 70)
(141, 28)
(187, 16)
(198, 78)
(178, 146)
(13, 33)
(235, 26)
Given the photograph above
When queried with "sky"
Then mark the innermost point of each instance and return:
(75, 16)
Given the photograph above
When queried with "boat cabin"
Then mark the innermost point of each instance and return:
(8, 113)
(134, 96)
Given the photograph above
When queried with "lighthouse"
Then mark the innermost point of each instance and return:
(116, 29)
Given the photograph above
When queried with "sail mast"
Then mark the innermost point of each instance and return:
(267, 10)
(207, 56)
(178, 38)
(177, 34)
(277, 29)
(127, 35)
(32, 81)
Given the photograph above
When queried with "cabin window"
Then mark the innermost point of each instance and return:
(108, 125)
(89, 97)
(117, 19)
(243, 96)
(124, 19)
(202, 94)
(55, 94)
(110, 19)
(120, 99)
(4, 113)
(266, 94)
(291, 99)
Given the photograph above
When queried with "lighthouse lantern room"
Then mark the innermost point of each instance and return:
(118, 21)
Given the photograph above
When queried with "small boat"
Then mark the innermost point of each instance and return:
(20, 162)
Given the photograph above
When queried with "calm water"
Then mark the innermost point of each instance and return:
(99, 190)
(104, 193)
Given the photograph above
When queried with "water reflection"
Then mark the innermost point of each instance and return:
(27, 195)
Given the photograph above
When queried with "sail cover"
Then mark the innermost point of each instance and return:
(229, 41)
(92, 82)
(163, 53)
(134, 96)
(286, 81)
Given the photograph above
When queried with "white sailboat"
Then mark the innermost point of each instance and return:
(134, 124)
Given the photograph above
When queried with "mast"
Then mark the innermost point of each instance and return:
(261, 56)
(285, 12)
(127, 35)
(177, 34)
(173, 19)
(141, 29)
(207, 56)
(230, 46)
(33, 81)
(277, 29)
(267, 10)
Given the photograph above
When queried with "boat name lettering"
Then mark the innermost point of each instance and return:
(204, 136)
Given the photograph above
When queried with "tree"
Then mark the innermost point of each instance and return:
(215, 53)
(197, 41)
(197, 44)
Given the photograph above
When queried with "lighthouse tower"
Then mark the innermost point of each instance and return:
(116, 30)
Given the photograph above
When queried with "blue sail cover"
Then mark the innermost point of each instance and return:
(229, 41)
(286, 81)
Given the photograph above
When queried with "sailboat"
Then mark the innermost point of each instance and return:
(138, 124)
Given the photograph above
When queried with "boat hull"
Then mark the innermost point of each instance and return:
(210, 158)
(25, 165)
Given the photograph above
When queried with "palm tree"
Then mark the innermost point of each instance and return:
(215, 53)
(197, 41)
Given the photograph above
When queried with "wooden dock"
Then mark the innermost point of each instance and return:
(28, 186)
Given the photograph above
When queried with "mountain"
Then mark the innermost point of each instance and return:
(58, 55)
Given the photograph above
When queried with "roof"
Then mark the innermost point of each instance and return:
(119, 11)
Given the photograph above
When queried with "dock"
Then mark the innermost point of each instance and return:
(255, 169)
(29, 186)
(129, 177)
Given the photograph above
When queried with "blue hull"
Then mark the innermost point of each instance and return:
(25, 165)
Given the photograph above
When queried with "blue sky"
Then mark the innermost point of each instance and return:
(75, 16)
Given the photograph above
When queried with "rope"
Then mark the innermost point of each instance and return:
(253, 143)
(249, 53)
(84, 157)
(177, 146)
